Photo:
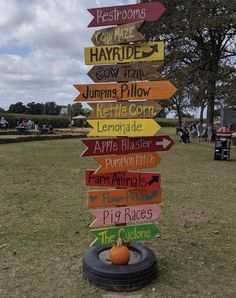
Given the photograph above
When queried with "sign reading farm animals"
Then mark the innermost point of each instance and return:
(150, 51)
(149, 181)
(117, 15)
(126, 145)
(121, 197)
(124, 215)
(133, 161)
(147, 109)
(144, 232)
(123, 127)
(125, 91)
(138, 71)
(117, 35)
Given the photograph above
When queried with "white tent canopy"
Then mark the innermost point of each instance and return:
(79, 117)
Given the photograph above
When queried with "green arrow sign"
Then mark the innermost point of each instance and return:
(132, 233)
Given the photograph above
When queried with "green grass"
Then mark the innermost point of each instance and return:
(44, 226)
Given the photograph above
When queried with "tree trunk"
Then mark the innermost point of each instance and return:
(202, 107)
(179, 115)
(211, 100)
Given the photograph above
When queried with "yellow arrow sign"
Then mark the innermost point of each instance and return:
(123, 127)
(150, 51)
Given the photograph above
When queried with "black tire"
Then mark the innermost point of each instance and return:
(118, 278)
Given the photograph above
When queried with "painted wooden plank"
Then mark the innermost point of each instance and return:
(138, 52)
(123, 127)
(137, 71)
(153, 90)
(121, 163)
(122, 197)
(133, 233)
(125, 145)
(117, 35)
(117, 15)
(124, 215)
(137, 180)
(119, 110)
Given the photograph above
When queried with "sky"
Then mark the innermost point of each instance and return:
(41, 48)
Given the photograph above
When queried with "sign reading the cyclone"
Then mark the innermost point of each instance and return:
(147, 109)
(153, 90)
(150, 51)
(133, 233)
(138, 71)
(117, 15)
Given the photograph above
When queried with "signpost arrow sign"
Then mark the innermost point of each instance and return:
(123, 127)
(117, 110)
(138, 52)
(124, 145)
(153, 90)
(124, 215)
(117, 15)
(137, 71)
(144, 232)
(122, 197)
(117, 35)
(120, 163)
(135, 180)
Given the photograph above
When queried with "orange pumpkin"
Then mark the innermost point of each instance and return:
(119, 253)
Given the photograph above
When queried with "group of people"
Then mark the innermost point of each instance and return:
(199, 131)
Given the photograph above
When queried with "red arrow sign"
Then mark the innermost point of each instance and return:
(125, 145)
(122, 215)
(117, 15)
(124, 180)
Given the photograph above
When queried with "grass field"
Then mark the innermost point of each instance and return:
(44, 222)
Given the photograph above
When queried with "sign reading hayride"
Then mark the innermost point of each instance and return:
(138, 52)
(117, 15)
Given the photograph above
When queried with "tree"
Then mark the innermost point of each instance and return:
(199, 34)
(2, 110)
(18, 108)
(51, 108)
(34, 108)
(75, 110)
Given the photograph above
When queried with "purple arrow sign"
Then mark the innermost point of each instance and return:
(125, 145)
(117, 15)
(122, 215)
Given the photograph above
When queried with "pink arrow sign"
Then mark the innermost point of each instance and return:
(125, 145)
(122, 215)
(117, 15)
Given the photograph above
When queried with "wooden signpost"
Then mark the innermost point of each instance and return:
(124, 215)
(137, 71)
(122, 197)
(143, 180)
(138, 52)
(125, 91)
(123, 127)
(142, 109)
(124, 145)
(143, 232)
(117, 15)
(117, 35)
(121, 163)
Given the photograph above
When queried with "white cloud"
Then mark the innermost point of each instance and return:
(41, 48)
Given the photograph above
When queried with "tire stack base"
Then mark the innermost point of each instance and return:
(140, 271)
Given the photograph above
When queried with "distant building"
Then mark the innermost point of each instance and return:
(228, 116)
(64, 110)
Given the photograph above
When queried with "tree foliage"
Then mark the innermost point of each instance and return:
(200, 37)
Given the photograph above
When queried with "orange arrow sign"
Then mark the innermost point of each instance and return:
(133, 161)
(125, 91)
(121, 197)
